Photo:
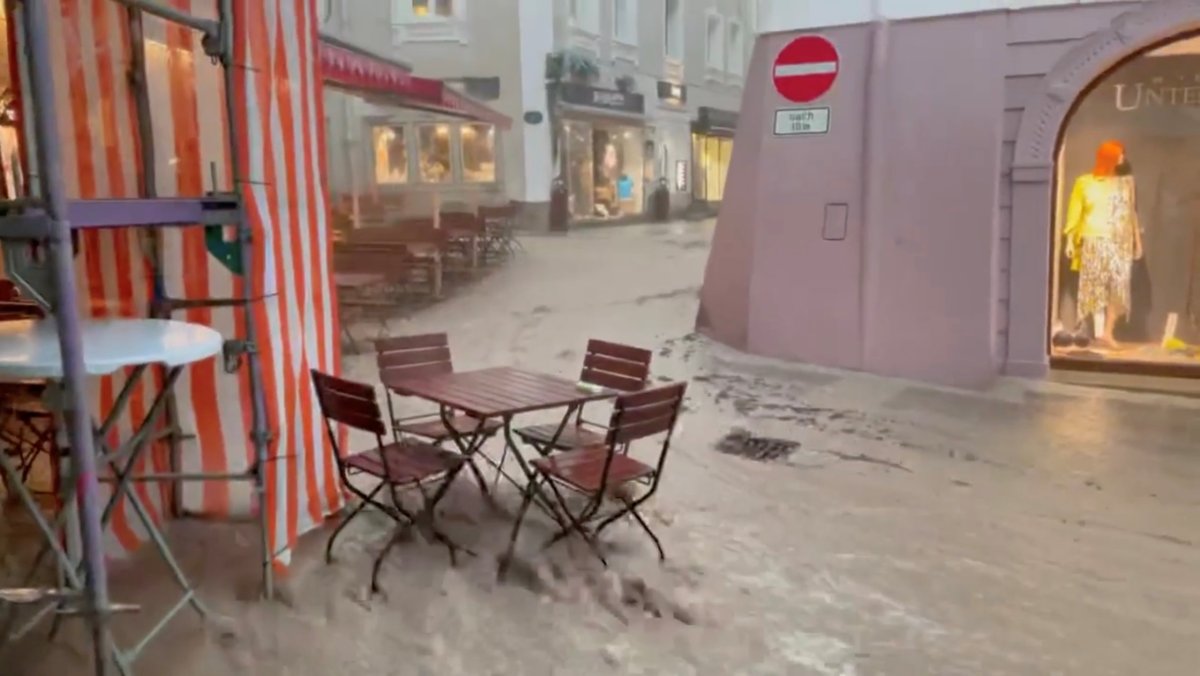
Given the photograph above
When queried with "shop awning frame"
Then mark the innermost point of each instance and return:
(355, 70)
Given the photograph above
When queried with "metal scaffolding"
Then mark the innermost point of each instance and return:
(47, 217)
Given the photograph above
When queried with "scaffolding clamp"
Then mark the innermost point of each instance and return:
(232, 351)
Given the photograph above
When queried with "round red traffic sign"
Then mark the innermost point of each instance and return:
(806, 68)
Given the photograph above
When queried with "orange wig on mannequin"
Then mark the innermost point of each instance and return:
(1107, 158)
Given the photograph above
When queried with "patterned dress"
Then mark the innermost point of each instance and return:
(1107, 234)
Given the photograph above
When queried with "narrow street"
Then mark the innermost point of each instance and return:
(1035, 529)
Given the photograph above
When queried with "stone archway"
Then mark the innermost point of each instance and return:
(1033, 165)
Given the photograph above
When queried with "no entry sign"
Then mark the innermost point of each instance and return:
(806, 68)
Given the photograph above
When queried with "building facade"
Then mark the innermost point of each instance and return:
(653, 72)
(960, 211)
(390, 154)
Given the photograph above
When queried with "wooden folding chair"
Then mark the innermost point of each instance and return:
(27, 431)
(500, 230)
(397, 465)
(619, 367)
(599, 472)
(414, 357)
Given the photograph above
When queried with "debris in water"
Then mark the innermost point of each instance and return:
(742, 443)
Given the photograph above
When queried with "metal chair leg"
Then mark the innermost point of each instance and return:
(362, 504)
(478, 476)
(526, 500)
(661, 555)
(397, 534)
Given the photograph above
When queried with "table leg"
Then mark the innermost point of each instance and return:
(437, 276)
(531, 475)
(468, 445)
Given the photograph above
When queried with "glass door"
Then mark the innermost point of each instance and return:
(580, 167)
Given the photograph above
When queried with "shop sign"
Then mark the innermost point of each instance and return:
(801, 121)
(606, 99)
(713, 120)
(672, 92)
(681, 175)
(806, 68)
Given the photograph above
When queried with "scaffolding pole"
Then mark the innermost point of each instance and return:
(58, 290)
(261, 435)
(66, 306)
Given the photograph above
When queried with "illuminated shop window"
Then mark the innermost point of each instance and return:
(391, 156)
(478, 153)
(433, 153)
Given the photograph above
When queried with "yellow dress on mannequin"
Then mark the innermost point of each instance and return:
(1101, 220)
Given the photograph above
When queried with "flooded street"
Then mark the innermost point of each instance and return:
(815, 522)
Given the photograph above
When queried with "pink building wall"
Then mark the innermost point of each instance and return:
(943, 273)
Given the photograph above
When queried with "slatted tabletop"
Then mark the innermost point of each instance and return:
(497, 392)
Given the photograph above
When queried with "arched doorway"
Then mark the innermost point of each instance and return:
(1034, 244)
(1125, 243)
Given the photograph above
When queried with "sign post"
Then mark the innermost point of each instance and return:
(806, 69)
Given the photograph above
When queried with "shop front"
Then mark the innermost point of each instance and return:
(712, 149)
(1032, 207)
(604, 152)
(1126, 267)
(409, 146)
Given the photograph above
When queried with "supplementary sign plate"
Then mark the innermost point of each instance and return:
(801, 121)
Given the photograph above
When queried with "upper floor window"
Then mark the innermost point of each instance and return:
(585, 15)
(673, 35)
(427, 20)
(432, 9)
(714, 41)
(736, 60)
(625, 21)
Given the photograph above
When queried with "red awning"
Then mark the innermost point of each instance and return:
(358, 71)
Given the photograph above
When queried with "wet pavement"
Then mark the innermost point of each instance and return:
(1035, 528)
(815, 521)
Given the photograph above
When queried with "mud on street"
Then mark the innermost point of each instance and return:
(815, 522)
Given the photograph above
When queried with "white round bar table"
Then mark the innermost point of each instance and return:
(29, 347)
(29, 350)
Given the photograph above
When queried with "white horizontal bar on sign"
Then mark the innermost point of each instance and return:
(799, 69)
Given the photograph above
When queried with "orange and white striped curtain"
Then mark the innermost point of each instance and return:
(279, 111)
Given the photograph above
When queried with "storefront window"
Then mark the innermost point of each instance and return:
(605, 169)
(391, 156)
(1126, 254)
(479, 153)
(578, 137)
(433, 156)
(712, 154)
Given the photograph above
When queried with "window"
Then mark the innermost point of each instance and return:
(585, 15)
(625, 21)
(433, 156)
(714, 41)
(433, 9)
(736, 61)
(391, 156)
(478, 153)
(673, 36)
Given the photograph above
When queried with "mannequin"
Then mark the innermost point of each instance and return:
(1103, 239)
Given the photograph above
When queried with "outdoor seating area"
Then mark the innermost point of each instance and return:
(385, 266)
(581, 474)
